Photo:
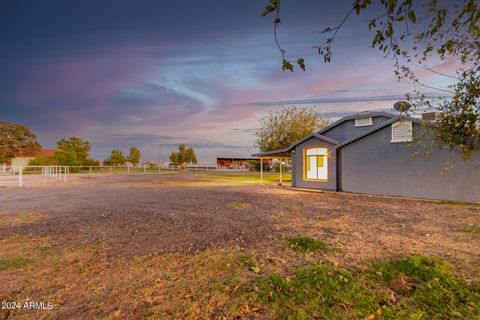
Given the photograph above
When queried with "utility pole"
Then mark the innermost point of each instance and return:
(159, 155)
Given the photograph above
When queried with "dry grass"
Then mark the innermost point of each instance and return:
(239, 205)
(83, 282)
(12, 219)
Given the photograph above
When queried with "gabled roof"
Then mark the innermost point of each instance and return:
(318, 134)
(293, 145)
(367, 114)
(379, 127)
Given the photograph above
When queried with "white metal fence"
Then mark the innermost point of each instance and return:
(17, 176)
(34, 175)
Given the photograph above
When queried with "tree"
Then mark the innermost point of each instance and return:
(412, 33)
(80, 147)
(174, 158)
(279, 129)
(91, 162)
(116, 158)
(66, 158)
(191, 156)
(16, 139)
(134, 156)
(184, 155)
(43, 161)
(59, 158)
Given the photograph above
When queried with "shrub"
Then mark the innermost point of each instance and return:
(43, 161)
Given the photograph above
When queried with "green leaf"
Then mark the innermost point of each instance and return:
(357, 9)
(269, 9)
(389, 30)
(412, 17)
(301, 63)
(287, 66)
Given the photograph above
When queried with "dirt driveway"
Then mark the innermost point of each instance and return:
(145, 214)
(127, 217)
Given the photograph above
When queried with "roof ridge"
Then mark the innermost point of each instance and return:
(378, 127)
(354, 116)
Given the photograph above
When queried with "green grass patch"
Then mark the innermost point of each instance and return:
(307, 244)
(247, 260)
(6, 264)
(468, 205)
(329, 292)
(436, 293)
(473, 229)
(316, 292)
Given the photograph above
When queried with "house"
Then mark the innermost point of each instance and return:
(379, 153)
(22, 160)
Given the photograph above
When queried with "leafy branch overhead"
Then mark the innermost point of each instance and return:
(413, 33)
(274, 7)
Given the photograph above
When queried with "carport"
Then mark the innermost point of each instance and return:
(282, 154)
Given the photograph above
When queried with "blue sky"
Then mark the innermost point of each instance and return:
(158, 73)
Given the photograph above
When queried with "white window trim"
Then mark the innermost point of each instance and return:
(396, 124)
(370, 122)
(322, 153)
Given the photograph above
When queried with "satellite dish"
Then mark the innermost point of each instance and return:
(402, 106)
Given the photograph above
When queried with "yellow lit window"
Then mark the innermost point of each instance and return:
(316, 163)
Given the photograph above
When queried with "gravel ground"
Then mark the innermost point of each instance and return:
(149, 214)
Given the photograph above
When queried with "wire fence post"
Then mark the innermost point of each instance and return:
(90, 171)
(261, 170)
(20, 176)
(281, 171)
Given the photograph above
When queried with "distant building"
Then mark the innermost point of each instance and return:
(22, 160)
(240, 163)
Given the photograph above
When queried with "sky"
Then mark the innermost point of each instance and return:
(156, 73)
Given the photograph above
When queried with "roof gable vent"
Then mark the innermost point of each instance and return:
(362, 122)
(402, 131)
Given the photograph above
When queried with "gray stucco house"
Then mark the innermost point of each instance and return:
(376, 153)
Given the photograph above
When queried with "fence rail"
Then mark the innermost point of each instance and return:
(18, 176)
(30, 175)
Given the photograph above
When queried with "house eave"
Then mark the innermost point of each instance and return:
(286, 152)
